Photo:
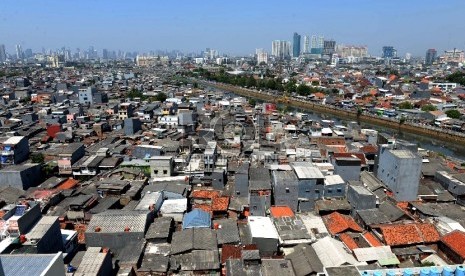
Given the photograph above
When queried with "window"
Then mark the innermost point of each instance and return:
(287, 190)
(307, 191)
(330, 190)
(255, 207)
(165, 172)
(238, 193)
(339, 190)
(317, 191)
(155, 171)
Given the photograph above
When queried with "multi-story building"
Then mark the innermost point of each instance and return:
(431, 55)
(281, 49)
(389, 52)
(400, 171)
(352, 51)
(306, 44)
(262, 56)
(14, 150)
(2, 53)
(329, 47)
(296, 45)
(453, 56)
(126, 110)
(86, 95)
(19, 52)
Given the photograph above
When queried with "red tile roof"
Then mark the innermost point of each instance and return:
(205, 194)
(372, 240)
(220, 203)
(455, 240)
(337, 223)
(405, 234)
(348, 241)
(281, 211)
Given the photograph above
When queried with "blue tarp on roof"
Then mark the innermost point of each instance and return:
(196, 219)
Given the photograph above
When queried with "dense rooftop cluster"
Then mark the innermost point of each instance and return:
(122, 170)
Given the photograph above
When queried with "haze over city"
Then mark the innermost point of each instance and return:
(234, 28)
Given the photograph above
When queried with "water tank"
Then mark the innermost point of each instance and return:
(407, 272)
(365, 273)
(377, 273)
(434, 272)
(391, 273)
(424, 272)
(460, 271)
(447, 271)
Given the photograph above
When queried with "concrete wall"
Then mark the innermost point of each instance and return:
(24, 179)
(286, 192)
(267, 247)
(348, 172)
(360, 201)
(29, 219)
(401, 175)
(52, 241)
(56, 267)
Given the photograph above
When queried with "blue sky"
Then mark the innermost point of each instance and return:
(233, 27)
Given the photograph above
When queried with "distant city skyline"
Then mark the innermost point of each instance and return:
(235, 28)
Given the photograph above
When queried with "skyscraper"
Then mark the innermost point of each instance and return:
(281, 48)
(306, 44)
(389, 52)
(431, 56)
(317, 45)
(2, 53)
(329, 47)
(19, 51)
(296, 45)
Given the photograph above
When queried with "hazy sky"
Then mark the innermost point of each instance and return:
(233, 27)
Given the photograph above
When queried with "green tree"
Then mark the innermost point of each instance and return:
(453, 113)
(429, 107)
(37, 158)
(290, 86)
(458, 77)
(251, 82)
(161, 97)
(303, 90)
(405, 105)
(252, 102)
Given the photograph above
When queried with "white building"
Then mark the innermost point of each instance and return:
(281, 48)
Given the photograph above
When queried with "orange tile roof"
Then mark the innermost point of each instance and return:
(205, 194)
(372, 240)
(405, 234)
(337, 223)
(220, 203)
(455, 240)
(281, 211)
(369, 149)
(348, 241)
(68, 184)
(339, 141)
(203, 207)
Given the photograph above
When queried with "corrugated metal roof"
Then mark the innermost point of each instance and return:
(115, 221)
(30, 264)
(196, 218)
